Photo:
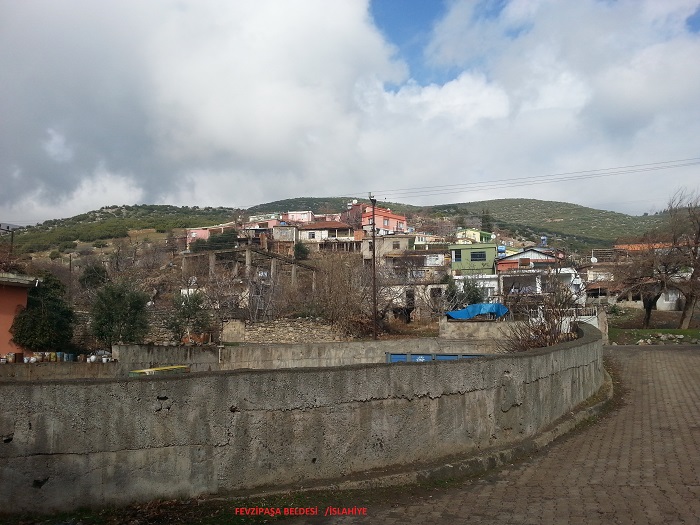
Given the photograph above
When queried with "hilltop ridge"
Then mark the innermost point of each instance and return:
(570, 224)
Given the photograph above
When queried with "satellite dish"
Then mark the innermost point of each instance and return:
(594, 260)
(493, 235)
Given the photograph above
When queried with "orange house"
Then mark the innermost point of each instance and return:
(13, 297)
(387, 221)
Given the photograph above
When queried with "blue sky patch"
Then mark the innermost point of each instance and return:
(693, 21)
(408, 25)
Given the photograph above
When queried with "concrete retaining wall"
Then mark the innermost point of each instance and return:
(71, 443)
(269, 356)
(337, 354)
(209, 358)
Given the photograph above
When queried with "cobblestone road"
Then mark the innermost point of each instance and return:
(640, 464)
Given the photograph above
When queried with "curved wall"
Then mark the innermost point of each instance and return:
(71, 443)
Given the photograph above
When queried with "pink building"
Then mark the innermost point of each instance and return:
(299, 216)
(204, 232)
(386, 221)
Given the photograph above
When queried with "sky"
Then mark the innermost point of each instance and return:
(237, 103)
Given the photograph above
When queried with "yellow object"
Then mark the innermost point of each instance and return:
(175, 369)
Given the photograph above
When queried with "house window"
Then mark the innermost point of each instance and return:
(457, 255)
(386, 222)
(312, 235)
(399, 225)
(395, 245)
(478, 256)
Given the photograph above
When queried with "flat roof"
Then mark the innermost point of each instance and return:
(12, 279)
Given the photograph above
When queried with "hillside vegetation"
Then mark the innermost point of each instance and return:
(113, 222)
(570, 225)
(573, 225)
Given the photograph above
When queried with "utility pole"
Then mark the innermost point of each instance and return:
(373, 200)
(10, 228)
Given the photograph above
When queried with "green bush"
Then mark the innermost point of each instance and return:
(47, 321)
(119, 314)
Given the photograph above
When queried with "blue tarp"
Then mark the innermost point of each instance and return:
(471, 311)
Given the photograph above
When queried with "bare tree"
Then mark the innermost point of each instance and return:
(648, 271)
(684, 225)
(343, 294)
(551, 320)
(224, 292)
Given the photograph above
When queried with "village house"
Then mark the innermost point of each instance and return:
(428, 241)
(472, 235)
(525, 273)
(601, 287)
(397, 253)
(528, 271)
(387, 222)
(204, 232)
(473, 259)
(13, 297)
(412, 280)
(333, 235)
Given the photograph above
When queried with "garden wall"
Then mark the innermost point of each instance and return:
(71, 443)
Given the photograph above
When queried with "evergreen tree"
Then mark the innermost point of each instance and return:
(47, 321)
(94, 275)
(459, 297)
(119, 314)
(189, 315)
(486, 220)
(301, 251)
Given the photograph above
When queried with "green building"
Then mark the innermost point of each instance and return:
(473, 259)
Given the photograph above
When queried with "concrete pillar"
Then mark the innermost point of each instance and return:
(273, 268)
(212, 263)
(248, 262)
(538, 283)
(294, 274)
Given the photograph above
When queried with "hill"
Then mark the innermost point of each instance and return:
(569, 225)
(321, 205)
(113, 222)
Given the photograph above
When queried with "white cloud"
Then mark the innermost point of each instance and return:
(99, 189)
(56, 147)
(235, 103)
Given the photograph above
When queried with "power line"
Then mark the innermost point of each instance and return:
(408, 193)
(496, 184)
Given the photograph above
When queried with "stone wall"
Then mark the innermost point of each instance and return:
(70, 443)
(292, 331)
(484, 334)
(277, 331)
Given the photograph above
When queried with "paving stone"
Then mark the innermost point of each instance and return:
(640, 464)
